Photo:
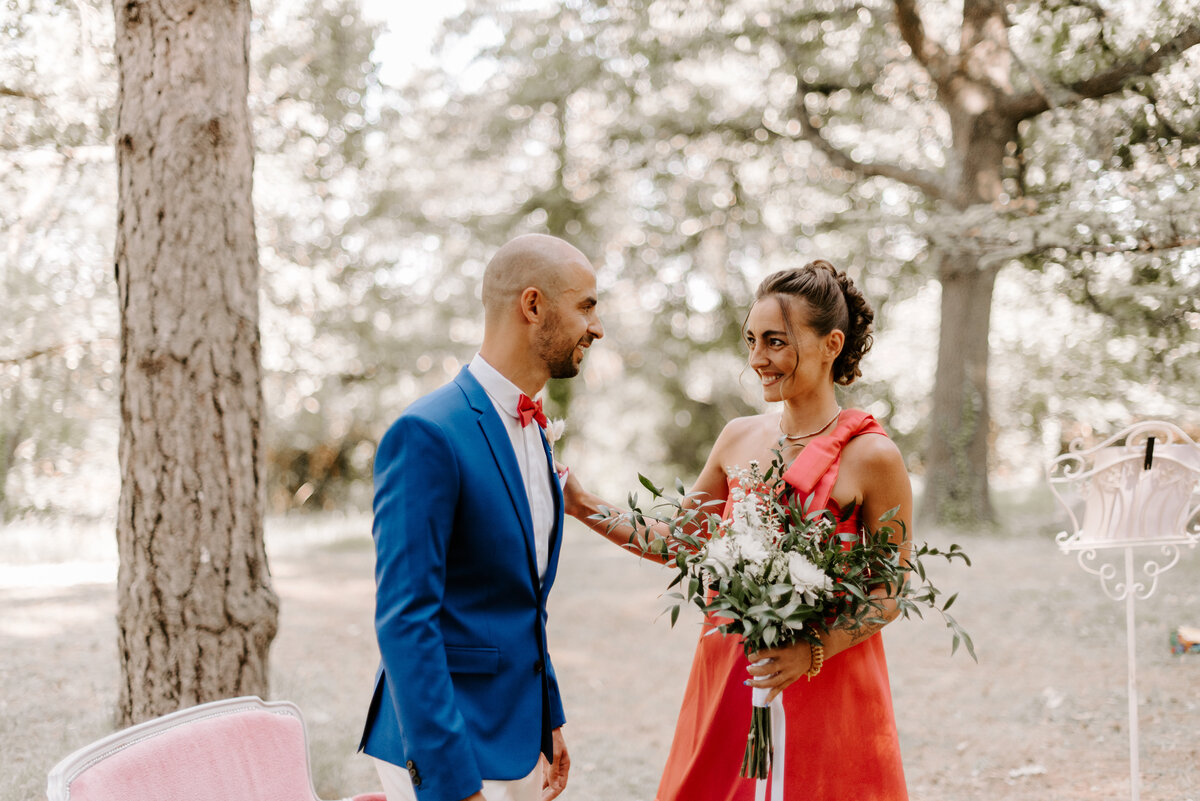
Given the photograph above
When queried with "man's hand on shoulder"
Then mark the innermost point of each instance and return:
(556, 776)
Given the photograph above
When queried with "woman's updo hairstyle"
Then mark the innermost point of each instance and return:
(830, 300)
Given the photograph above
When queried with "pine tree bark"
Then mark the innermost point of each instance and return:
(196, 612)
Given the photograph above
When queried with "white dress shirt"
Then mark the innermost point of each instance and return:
(531, 455)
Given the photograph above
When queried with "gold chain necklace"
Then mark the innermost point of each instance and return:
(794, 437)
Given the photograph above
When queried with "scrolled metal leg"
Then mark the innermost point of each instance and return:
(1130, 598)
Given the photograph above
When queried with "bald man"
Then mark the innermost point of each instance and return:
(468, 525)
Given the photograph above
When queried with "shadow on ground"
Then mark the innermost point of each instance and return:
(1042, 716)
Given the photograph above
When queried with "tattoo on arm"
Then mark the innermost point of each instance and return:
(863, 632)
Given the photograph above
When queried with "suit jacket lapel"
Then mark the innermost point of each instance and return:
(556, 532)
(506, 460)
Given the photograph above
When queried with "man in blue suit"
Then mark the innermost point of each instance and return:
(468, 526)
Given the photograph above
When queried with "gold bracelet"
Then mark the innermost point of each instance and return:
(816, 659)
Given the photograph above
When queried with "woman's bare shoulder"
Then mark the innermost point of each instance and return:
(873, 452)
(740, 426)
(737, 434)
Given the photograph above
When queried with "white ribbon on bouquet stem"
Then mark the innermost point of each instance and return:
(778, 744)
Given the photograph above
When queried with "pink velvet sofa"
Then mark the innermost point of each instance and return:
(239, 749)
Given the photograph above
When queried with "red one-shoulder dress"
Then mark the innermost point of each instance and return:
(841, 742)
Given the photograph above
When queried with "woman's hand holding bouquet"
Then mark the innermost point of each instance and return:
(775, 573)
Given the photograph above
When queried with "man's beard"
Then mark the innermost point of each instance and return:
(557, 352)
(565, 367)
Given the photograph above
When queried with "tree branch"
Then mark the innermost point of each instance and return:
(1150, 61)
(929, 53)
(1185, 138)
(1054, 94)
(1091, 6)
(28, 357)
(56, 154)
(845, 12)
(8, 91)
(997, 254)
(928, 182)
(1141, 245)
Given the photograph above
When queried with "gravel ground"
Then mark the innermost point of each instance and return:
(1042, 716)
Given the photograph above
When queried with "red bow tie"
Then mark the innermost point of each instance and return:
(529, 409)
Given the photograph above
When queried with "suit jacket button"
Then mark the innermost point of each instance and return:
(539, 666)
(413, 773)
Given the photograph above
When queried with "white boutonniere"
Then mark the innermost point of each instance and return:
(555, 430)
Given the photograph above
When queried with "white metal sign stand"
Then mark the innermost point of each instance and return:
(1137, 489)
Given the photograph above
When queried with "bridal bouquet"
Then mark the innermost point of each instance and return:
(775, 573)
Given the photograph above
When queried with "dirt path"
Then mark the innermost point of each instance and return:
(1043, 716)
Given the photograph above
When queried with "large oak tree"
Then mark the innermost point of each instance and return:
(986, 93)
(949, 139)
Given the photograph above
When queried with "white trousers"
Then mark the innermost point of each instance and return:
(398, 786)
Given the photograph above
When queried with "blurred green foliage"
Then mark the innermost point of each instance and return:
(661, 138)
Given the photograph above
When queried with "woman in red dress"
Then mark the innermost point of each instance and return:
(806, 332)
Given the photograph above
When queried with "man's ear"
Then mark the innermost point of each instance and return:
(532, 304)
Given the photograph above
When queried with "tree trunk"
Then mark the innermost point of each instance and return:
(196, 612)
(956, 456)
(956, 477)
(9, 441)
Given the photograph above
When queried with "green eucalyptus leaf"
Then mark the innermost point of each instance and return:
(648, 484)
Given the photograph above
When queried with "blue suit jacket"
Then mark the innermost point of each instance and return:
(465, 689)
